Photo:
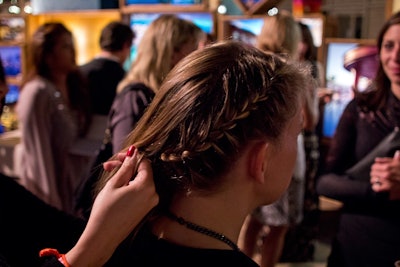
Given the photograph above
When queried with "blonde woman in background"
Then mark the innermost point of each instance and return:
(166, 41)
(281, 35)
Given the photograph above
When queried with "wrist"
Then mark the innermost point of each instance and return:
(51, 252)
(83, 254)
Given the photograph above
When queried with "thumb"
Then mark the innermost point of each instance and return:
(397, 155)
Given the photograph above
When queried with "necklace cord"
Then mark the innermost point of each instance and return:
(203, 230)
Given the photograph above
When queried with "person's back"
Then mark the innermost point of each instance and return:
(105, 71)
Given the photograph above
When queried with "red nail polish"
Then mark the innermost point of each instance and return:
(130, 151)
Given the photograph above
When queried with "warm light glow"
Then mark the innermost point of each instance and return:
(81, 42)
(222, 9)
(28, 9)
(14, 10)
(273, 11)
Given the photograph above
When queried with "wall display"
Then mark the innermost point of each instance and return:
(253, 7)
(12, 29)
(11, 57)
(139, 6)
(140, 21)
(339, 80)
(174, 2)
(13, 94)
(246, 28)
(240, 28)
(316, 25)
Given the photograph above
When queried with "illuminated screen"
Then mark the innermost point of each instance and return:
(340, 81)
(174, 2)
(140, 21)
(11, 59)
(316, 27)
(245, 30)
(131, 2)
(13, 94)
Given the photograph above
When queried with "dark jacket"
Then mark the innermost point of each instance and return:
(103, 76)
(369, 227)
(128, 107)
(27, 225)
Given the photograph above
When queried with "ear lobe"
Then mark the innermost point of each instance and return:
(257, 165)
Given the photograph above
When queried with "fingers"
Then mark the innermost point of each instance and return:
(397, 155)
(112, 164)
(144, 172)
(145, 183)
(376, 183)
(384, 173)
(128, 167)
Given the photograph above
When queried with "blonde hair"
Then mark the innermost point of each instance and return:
(209, 107)
(164, 36)
(280, 34)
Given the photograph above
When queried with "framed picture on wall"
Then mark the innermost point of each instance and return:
(12, 29)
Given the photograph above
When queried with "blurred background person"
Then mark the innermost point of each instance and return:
(300, 239)
(281, 35)
(102, 74)
(369, 224)
(166, 41)
(53, 111)
(105, 71)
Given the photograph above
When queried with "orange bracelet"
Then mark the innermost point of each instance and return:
(54, 252)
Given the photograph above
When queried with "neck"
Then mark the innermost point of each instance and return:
(218, 214)
(60, 82)
(111, 55)
(223, 211)
(203, 230)
(396, 90)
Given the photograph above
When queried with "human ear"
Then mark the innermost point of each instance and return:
(257, 161)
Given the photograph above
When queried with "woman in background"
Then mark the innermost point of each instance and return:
(281, 35)
(300, 239)
(53, 111)
(369, 226)
(166, 41)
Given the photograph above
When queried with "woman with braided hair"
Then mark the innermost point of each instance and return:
(221, 137)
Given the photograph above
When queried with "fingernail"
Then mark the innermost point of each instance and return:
(130, 151)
